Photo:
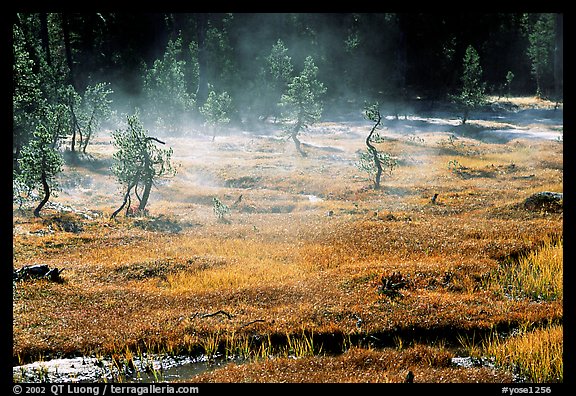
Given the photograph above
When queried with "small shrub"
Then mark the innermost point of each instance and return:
(220, 209)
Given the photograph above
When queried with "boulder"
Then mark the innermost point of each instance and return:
(545, 201)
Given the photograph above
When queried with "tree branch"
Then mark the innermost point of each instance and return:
(156, 139)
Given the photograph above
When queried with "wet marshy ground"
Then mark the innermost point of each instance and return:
(148, 368)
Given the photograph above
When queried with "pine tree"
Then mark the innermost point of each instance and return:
(27, 100)
(138, 162)
(373, 161)
(302, 102)
(40, 163)
(277, 75)
(541, 51)
(216, 111)
(472, 94)
(165, 89)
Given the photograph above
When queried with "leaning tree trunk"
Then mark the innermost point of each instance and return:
(145, 195)
(127, 195)
(86, 140)
(148, 176)
(126, 198)
(294, 136)
(46, 194)
(74, 124)
(298, 144)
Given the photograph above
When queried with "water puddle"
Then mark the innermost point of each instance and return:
(151, 369)
(470, 362)
(314, 198)
(505, 135)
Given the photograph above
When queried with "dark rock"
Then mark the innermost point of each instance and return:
(409, 377)
(545, 201)
(38, 271)
(31, 271)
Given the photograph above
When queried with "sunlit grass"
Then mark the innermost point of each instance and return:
(233, 277)
(300, 346)
(537, 355)
(537, 275)
(250, 264)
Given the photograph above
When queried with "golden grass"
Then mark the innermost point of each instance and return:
(254, 263)
(537, 355)
(534, 354)
(283, 264)
(537, 275)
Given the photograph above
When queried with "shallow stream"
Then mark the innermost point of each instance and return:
(148, 369)
(152, 368)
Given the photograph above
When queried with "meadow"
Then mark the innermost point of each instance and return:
(312, 275)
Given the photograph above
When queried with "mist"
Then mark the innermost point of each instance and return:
(215, 88)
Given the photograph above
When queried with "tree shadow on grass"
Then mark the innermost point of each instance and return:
(88, 162)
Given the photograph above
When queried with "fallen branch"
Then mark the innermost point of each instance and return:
(252, 322)
(39, 271)
(229, 316)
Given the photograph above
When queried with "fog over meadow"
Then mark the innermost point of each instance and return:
(213, 77)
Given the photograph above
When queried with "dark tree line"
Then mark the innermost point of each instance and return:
(71, 69)
(355, 53)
